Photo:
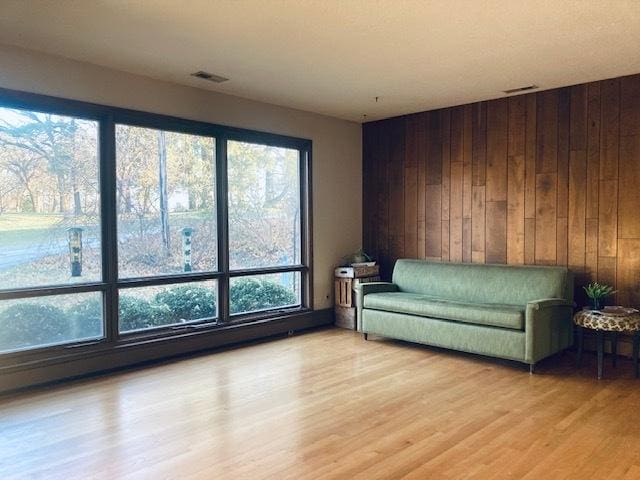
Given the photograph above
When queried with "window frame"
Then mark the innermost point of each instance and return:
(107, 118)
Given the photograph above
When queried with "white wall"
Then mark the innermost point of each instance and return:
(337, 147)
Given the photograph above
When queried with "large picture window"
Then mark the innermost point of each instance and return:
(118, 225)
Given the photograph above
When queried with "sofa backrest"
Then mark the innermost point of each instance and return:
(480, 283)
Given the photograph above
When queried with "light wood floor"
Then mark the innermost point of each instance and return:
(327, 404)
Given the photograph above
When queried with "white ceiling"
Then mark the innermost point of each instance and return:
(335, 56)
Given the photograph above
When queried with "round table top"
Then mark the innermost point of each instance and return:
(610, 322)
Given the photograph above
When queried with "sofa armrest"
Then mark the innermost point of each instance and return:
(371, 287)
(548, 328)
(549, 302)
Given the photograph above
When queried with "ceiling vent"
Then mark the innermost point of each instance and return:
(209, 76)
(521, 89)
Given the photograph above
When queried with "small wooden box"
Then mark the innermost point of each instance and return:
(357, 271)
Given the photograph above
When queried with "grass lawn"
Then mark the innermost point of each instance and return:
(26, 229)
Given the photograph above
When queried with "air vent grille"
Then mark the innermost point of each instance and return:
(521, 89)
(209, 76)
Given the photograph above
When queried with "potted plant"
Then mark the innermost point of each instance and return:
(361, 257)
(597, 292)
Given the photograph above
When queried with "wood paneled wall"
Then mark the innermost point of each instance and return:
(548, 178)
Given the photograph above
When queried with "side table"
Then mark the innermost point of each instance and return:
(609, 322)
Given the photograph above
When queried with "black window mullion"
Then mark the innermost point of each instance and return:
(305, 258)
(167, 279)
(32, 292)
(222, 200)
(109, 226)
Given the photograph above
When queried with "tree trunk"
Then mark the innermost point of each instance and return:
(164, 196)
(77, 204)
(32, 198)
(61, 193)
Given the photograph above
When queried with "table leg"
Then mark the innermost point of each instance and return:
(600, 353)
(614, 349)
(636, 352)
(580, 345)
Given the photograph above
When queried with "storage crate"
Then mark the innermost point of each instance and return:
(344, 287)
(344, 292)
(346, 280)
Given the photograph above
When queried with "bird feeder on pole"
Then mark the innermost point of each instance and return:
(75, 250)
(187, 233)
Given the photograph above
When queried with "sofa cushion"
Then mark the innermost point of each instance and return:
(480, 283)
(505, 316)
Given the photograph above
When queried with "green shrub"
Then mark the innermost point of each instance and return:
(30, 324)
(250, 294)
(86, 318)
(188, 302)
(137, 313)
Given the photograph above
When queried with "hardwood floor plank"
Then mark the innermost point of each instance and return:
(328, 405)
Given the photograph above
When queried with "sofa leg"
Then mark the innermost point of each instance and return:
(366, 336)
(532, 368)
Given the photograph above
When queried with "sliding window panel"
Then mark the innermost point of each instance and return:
(264, 205)
(49, 200)
(50, 320)
(152, 307)
(259, 293)
(166, 202)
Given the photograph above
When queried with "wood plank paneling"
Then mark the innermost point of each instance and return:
(547, 132)
(456, 184)
(497, 139)
(628, 271)
(530, 241)
(496, 233)
(467, 182)
(564, 108)
(593, 148)
(422, 183)
(411, 187)
(433, 221)
(629, 187)
(479, 143)
(545, 178)
(546, 191)
(478, 224)
(577, 189)
(395, 173)
(577, 210)
(496, 181)
(515, 180)
(455, 223)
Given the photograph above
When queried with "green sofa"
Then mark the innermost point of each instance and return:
(520, 313)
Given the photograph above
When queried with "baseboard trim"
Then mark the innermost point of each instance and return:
(58, 369)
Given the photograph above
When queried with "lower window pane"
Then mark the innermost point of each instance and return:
(264, 292)
(165, 305)
(45, 321)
